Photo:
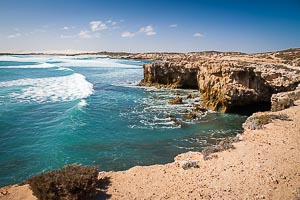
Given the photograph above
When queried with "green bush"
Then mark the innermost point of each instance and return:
(73, 182)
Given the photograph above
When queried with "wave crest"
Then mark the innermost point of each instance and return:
(52, 89)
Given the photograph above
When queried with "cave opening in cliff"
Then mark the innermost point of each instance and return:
(190, 81)
(190, 86)
(251, 108)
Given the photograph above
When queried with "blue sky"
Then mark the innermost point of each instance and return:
(144, 25)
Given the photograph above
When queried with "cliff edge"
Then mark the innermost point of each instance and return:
(227, 81)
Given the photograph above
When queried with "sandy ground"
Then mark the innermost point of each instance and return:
(264, 165)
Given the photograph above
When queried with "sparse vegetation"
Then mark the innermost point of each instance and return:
(258, 122)
(73, 182)
(222, 146)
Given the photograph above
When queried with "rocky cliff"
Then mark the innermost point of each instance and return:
(227, 82)
(170, 74)
(283, 100)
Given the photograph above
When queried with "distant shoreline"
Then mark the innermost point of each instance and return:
(121, 53)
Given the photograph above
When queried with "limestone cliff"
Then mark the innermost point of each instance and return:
(227, 86)
(283, 100)
(175, 75)
(226, 83)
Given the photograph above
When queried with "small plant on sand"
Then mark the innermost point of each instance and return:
(72, 182)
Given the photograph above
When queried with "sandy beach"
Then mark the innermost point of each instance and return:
(265, 164)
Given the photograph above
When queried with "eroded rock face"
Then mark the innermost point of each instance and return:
(169, 74)
(284, 100)
(226, 84)
(231, 85)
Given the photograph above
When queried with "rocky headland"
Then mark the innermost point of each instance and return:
(227, 81)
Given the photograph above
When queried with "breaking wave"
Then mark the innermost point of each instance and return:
(52, 89)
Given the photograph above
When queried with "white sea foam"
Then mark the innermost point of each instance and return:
(41, 65)
(67, 61)
(82, 103)
(99, 63)
(52, 89)
(25, 58)
(154, 111)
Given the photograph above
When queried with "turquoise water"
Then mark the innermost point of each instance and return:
(57, 110)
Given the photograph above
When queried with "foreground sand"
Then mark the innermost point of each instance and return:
(265, 165)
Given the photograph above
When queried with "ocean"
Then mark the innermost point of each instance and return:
(58, 110)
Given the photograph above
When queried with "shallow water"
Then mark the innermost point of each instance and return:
(57, 110)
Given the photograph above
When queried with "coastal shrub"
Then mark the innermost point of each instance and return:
(258, 122)
(222, 146)
(73, 182)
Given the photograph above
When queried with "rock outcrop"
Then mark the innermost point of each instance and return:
(227, 83)
(229, 86)
(170, 74)
(283, 100)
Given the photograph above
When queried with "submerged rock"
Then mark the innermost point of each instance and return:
(199, 109)
(190, 116)
(176, 100)
(178, 122)
(189, 96)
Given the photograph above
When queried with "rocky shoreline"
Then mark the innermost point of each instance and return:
(229, 83)
(261, 163)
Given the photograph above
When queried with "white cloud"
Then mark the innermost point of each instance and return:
(65, 28)
(173, 26)
(127, 34)
(97, 26)
(85, 34)
(14, 35)
(113, 23)
(198, 35)
(148, 30)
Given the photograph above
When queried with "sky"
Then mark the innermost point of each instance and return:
(149, 25)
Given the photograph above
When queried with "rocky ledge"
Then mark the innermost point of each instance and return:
(229, 82)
